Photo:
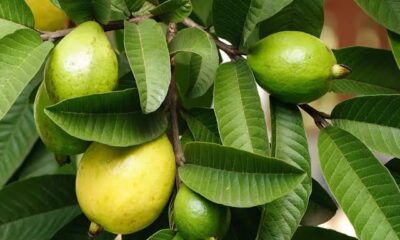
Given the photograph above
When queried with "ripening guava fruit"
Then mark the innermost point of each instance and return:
(293, 66)
(48, 17)
(124, 189)
(82, 63)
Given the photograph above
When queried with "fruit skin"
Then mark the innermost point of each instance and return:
(198, 218)
(48, 17)
(56, 139)
(293, 66)
(125, 189)
(82, 63)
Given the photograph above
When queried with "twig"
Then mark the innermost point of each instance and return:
(319, 117)
(173, 105)
(115, 25)
(232, 52)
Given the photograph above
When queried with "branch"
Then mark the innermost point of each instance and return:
(173, 105)
(116, 25)
(232, 52)
(319, 117)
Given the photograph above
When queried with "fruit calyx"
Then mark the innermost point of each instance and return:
(340, 71)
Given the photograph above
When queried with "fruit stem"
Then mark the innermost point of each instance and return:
(319, 117)
(340, 71)
(118, 237)
(94, 230)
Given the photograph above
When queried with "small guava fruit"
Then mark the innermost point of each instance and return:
(82, 63)
(56, 139)
(197, 218)
(293, 66)
(48, 17)
(124, 189)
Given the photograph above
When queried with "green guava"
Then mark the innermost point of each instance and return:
(198, 218)
(293, 66)
(56, 139)
(82, 63)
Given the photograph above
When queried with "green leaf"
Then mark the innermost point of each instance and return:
(17, 137)
(164, 234)
(384, 12)
(236, 178)
(112, 118)
(22, 54)
(202, 11)
(186, 68)
(394, 168)
(375, 120)
(364, 79)
(281, 217)
(203, 125)
(394, 40)
(102, 10)
(39, 162)
(134, 5)
(301, 15)
(307, 233)
(261, 10)
(173, 10)
(77, 10)
(362, 186)
(17, 12)
(196, 41)
(229, 17)
(37, 208)
(148, 56)
(320, 208)
(238, 109)
(8, 27)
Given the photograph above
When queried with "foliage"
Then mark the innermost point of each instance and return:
(173, 79)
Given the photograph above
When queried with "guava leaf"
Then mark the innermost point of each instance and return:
(375, 120)
(236, 178)
(196, 41)
(261, 10)
(202, 11)
(394, 168)
(203, 125)
(364, 79)
(187, 69)
(173, 10)
(240, 118)
(384, 12)
(281, 217)
(112, 118)
(164, 234)
(307, 233)
(16, 11)
(148, 56)
(38, 207)
(321, 207)
(363, 187)
(394, 40)
(102, 10)
(77, 10)
(300, 15)
(18, 135)
(22, 54)
(134, 5)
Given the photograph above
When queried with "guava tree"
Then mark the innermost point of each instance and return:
(70, 91)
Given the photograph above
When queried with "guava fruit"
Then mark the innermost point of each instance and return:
(197, 218)
(48, 17)
(56, 139)
(124, 189)
(293, 66)
(82, 63)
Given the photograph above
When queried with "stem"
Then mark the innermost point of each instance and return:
(232, 52)
(319, 117)
(51, 36)
(173, 105)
